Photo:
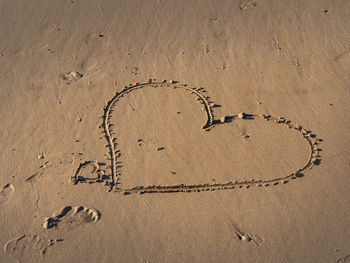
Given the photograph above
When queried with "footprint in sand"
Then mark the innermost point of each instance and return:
(70, 217)
(22, 246)
(31, 245)
(5, 194)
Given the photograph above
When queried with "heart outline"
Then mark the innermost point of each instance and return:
(311, 139)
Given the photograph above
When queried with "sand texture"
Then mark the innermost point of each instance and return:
(175, 131)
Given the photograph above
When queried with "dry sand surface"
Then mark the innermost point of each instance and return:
(175, 131)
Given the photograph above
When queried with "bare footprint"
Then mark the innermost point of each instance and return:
(32, 245)
(5, 193)
(70, 217)
(24, 245)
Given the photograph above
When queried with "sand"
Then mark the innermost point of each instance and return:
(174, 131)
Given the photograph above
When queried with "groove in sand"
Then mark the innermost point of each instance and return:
(210, 123)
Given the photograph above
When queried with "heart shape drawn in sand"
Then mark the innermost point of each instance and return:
(97, 175)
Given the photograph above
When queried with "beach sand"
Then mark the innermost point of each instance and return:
(174, 131)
